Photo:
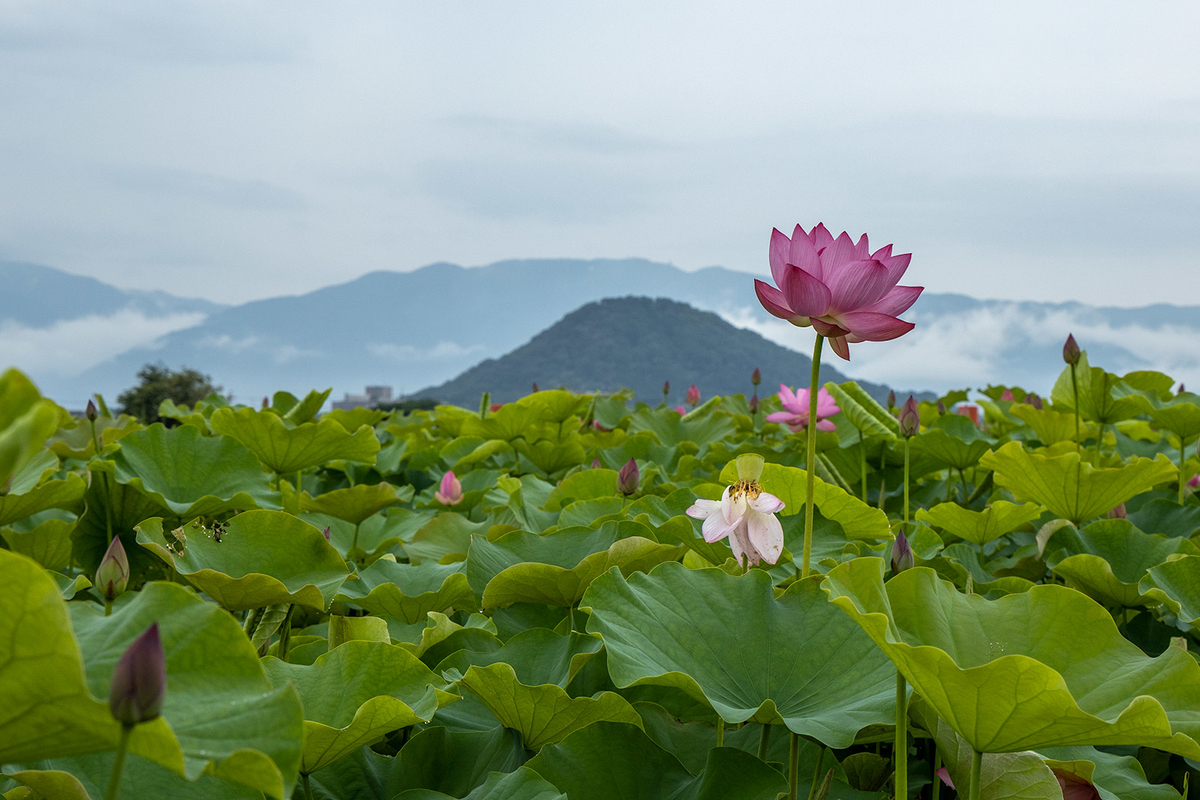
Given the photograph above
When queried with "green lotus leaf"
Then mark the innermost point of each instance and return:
(356, 504)
(189, 474)
(26, 422)
(729, 642)
(377, 535)
(29, 495)
(951, 441)
(521, 784)
(1106, 559)
(287, 450)
(1176, 584)
(355, 693)
(125, 507)
(1167, 517)
(1069, 487)
(69, 587)
(543, 714)
(858, 520)
(445, 537)
(556, 568)
(863, 411)
(1100, 397)
(588, 513)
(959, 561)
(47, 541)
(86, 778)
(538, 656)
(551, 456)
(229, 720)
(408, 592)
(511, 421)
(1181, 416)
(1043, 668)
(589, 484)
(980, 527)
(1115, 777)
(1051, 427)
(263, 558)
(609, 759)
(300, 411)
(698, 428)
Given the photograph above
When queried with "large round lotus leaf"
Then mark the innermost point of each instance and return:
(1115, 777)
(1166, 517)
(952, 441)
(980, 527)
(590, 484)
(1070, 487)
(31, 492)
(1051, 427)
(556, 568)
(189, 474)
(1107, 558)
(521, 784)
(858, 520)
(608, 760)
(728, 641)
(355, 693)
(356, 504)
(376, 535)
(446, 537)
(1176, 584)
(229, 719)
(1043, 668)
(538, 656)
(1181, 416)
(263, 558)
(541, 714)
(286, 450)
(45, 539)
(696, 428)
(125, 506)
(86, 778)
(408, 592)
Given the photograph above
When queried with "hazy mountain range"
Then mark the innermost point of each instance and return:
(419, 329)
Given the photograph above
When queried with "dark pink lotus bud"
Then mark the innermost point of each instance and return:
(902, 554)
(325, 533)
(1008, 395)
(941, 407)
(139, 680)
(1071, 350)
(1118, 512)
(1075, 788)
(910, 418)
(1194, 482)
(91, 412)
(754, 404)
(891, 399)
(693, 396)
(266, 403)
(1180, 389)
(627, 478)
(112, 576)
(595, 463)
(755, 377)
(450, 492)
(535, 387)
(666, 388)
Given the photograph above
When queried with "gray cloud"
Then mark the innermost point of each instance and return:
(207, 188)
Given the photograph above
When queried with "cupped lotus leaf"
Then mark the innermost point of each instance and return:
(551, 456)
(1176, 584)
(229, 720)
(1167, 517)
(1070, 487)
(521, 784)
(354, 418)
(556, 405)
(863, 411)
(610, 759)
(556, 568)
(1181, 416)
(961, 562)
(589, 484)
(587, 513)
(511, 421)
(47, 542)
(376, 535)
(287, 450)
(951, 441)
(446, 537)
(1115, 777)
(1050, 427)
(356, 629)
(26, 422)
(1106, 559)
(698, 428)
(32, 490)
(408, 591)
(262, 558)
(357, 692)
(86, 778)
(980, 527)
(69, 587)
(189, 474)
(728, 641)
(543, 714)
(1043, 668)
(538, 656)
(858, 520)
(1103, 397)
(124, 507)
(303, 410)
(357, 503)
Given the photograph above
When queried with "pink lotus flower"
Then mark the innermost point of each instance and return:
(692, 398)
(450, 493)
(1008, 395)
(746, 514)
(795, 409)
(681, 410)
(837, 286)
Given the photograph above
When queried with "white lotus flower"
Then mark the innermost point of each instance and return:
(746, 514)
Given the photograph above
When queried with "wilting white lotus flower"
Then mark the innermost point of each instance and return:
(746, 514)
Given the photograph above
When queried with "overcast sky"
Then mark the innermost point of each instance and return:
(237, 150)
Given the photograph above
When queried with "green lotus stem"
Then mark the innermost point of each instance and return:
(812, 455)
(936, 786)
(762, 743)
(285, 633)
(119, 765)
(906, 441)
(812, 792)
(1099, 443)
(308, 795)
(793, 766)
(900, 750)
(108, 608)
(963, 479)
(1075, 392)
(1182, 463)
(976, 769)
(862, 464)
(108, 525)
(720, 731)
(354, 546)
(297, 511)
(882, 477)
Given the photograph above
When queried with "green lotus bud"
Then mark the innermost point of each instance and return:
(139, 680)
(941, 407)
(754, 404)
(1071, 350)
(910, 418)
(112, 576)
(902, 554)
(891, 399)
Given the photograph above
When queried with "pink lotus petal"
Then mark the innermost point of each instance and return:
(741, 547)
(787, 397)
(858, 284)
(703, 509)
(862, 248)
(820, 237)
(803, 255)
(826, 425)
(875, 327)
(828, 329)
(839, 253)
(766, 535)
(897, 266)
(882, 253)
(781, 416)
(896, 301)
(780, 246)
(773, 300)
(806, 295)
(840, 346)
(715, 528)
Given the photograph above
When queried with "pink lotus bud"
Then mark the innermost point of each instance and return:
(535, 387)
(1118, 512)
(1194, 482)
(325, 533)
(941, 407)
(596, 463)
(666, 388)
(91, 412)
(112, 576)
(450, 492)
(755, 377)
(1035, 401)
(754, 404)
(266, 402)
(1071, 350)
(910, 418)
(1180, 389)
(693, 396)
(902, 554)
(139, 680)
(627, 478)
(596, 424)
(682, 411)
(891, 399)
(1008, 395)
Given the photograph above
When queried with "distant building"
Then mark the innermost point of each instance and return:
(375, 395)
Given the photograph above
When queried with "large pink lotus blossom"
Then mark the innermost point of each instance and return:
(840, 288)
(746, 514)
(795, 409)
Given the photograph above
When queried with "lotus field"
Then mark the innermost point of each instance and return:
(591, 596)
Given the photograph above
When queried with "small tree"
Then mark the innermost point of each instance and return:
(157, 383)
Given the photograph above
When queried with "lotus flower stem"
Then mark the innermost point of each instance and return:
(308, 795)
(119, 764)
(720, 731)
(108, 607)
(936, 786)
(812, 455)
(882, 477)
(1075, 393)
(1182, 463)
(963, 479)
(900, 750)
(794, 766)
(976, 769)
(812, 792)
(762, 743)
(285, 633)
(862, 464)
(906, 482)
